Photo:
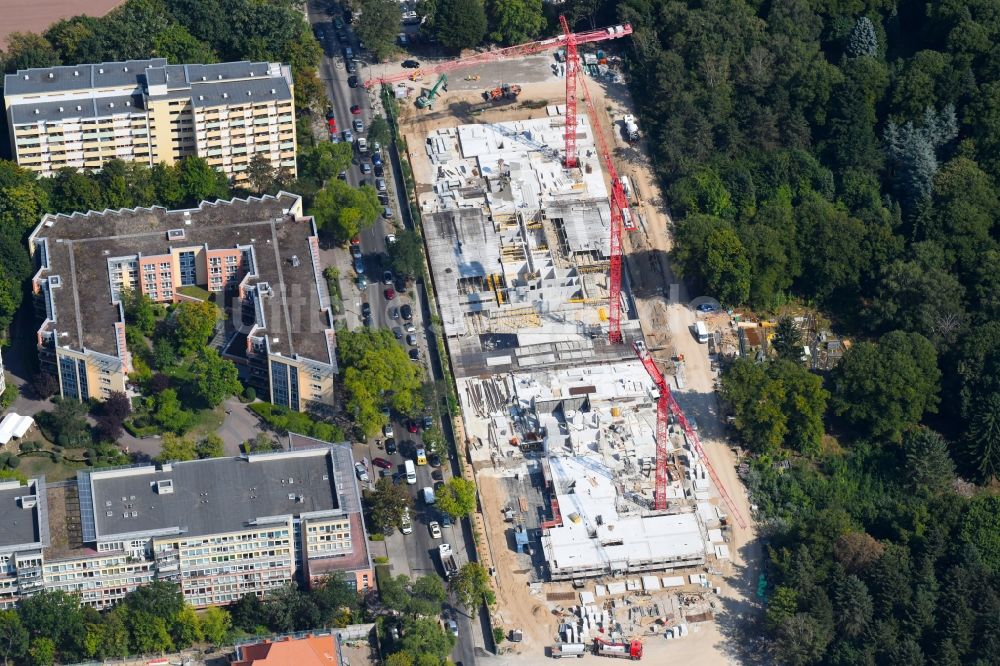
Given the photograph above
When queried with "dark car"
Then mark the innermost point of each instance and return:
(366, 168)
(359, 265)
(400, 284)
(330, 114)
(406, 312)
(366, 309)
(445, 519)
(356, 249)
(437, 475)
(410, 64)
(428, 421)
(342, 175)
(414, 354)
(383, 198)
(387, 278)
(398, 332)
(379, 171)
(411, 339)
(390, 446)
(394, 313)
(356, 109)
(352, 81)
(434, 459)
(377, 159)
(382, 462)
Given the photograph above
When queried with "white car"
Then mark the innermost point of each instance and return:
(435, 529)
(361, 471)
(387, 430)
(452, 626)
(405, 526)
(390, 239)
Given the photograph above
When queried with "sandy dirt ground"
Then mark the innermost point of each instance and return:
(37, 15)
(666, 318)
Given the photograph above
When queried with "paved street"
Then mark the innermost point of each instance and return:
(413, 554)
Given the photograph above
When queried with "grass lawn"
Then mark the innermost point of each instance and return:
(34, 465)
(209, 420)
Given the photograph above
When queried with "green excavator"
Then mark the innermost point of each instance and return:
(424, 101)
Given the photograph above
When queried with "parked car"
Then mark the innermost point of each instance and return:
(411, 339)
(359, 265)
(414, 354)
(366, 309)
(356, 248)
(707, 307)
(356, 109)
(383, 198)
(434, 459)
(380, 184)
(389, 293)
(394, 313)
(445, 518)
(361, 471)
(352, 81)
(366, 168)
(387, 278)
(407, 312)
(387, 213)
(435, 529)
(382, 463)
(410, 64)
(390, 446)
(358, 125)
(398, 332)
(428, 421)
(437, 475)
(387, 430)
(411, 426)
(452, 627)
(361, 281)
(390, 239)
(348, 136)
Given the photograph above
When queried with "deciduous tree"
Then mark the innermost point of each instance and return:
(379, 26)
(459, 24)
(457, 497)
(194, 323)
(387, 503)
(471, 585)
(515, 21)
(406, 255)
(216, 378)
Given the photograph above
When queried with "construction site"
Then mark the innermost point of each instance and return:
(610, 528)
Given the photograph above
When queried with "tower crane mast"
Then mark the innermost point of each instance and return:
(667, 402)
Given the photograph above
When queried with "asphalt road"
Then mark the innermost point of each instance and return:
(419, 546)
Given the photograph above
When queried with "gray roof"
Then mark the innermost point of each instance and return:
(213, 496)
(20, 526)
(184, 76)
(247, 91)
(83, 108)
(65, 78)
(80, 245)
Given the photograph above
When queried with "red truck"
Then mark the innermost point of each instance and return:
(626, 650)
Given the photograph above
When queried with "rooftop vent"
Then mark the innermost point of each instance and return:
(174, 234)
(79, 108)
(264, 289)
(295, 260)
(187, 217)
(51, 75)
(225, 95)
(273, 91)
(249, 93)
(220, 77)
(25, 77)
(111, 105)
(201, 98)
(76, 72)
(100, 70)
(28, 501)
(291, 496)
(60, 109)
(37, 112)
(55, 281)
(124, 69)
(165, 487)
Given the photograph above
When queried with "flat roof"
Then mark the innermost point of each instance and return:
(41, 110)
(66, 78)
(212, 496)
(21, 522)
(79, 246)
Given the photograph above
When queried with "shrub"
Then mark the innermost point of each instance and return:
(249, 394)
(8, 396)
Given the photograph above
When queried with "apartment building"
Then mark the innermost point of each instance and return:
(148, 111)
(220, 528)
(258, 258)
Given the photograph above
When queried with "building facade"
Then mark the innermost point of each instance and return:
(220, 528)
(257, 259)
(148, 111)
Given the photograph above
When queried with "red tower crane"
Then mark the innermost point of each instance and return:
(665, 403)
(621, 217)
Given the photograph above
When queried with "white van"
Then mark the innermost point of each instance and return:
(701, 332)
(428, 495)
(411, 472)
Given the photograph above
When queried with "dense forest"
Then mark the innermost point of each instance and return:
(844, 155)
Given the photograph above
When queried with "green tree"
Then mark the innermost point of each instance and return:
(109, 638)
(73, 191)
(176, 449)
(325, 160)
(168, 413)
(194, 323)
(387, 503)
(112, 413)
(727, 267)
(457, 497)
(342, 211)
(200, 182)
(863, 41)
(216, 624)
(781, 605)
(515, 21)
(42, 652)
(66, 424)
(787, 342)
(57, 616)
(379, 131)
(887, 387)
(140, 311)
(425, 636)
(459, 24)
(981, 528)
(185, 628)
(406, 255)
(150, 633)
(471, 585)
(179, 46)
(928, 466)
(260, 174)
(13, 636)
(26, 50)
(211, 446)
(983, 437)
(166, 182)
(428, 593)
(379, 27)
(216, 378)
(377, 372)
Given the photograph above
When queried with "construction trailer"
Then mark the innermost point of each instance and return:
(564, 650)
